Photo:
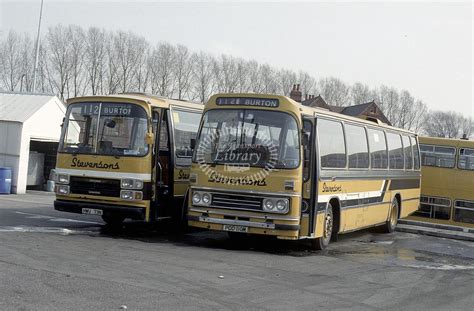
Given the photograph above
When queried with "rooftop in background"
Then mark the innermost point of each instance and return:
(366, 111)
(19, 107)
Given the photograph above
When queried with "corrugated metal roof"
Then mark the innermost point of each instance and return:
(20, 107)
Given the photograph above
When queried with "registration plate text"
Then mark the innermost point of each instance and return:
(234, 228)
(92, 211)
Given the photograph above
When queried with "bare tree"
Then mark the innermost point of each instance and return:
(334, 91)
(59, 70)
(307, 82)
(161, 65)
(286, 79)
(10, 52)
(360, 93)
(182, 71)
(242, 72)
(388, 101)
(77, 40)
(447, 124)
(141, 71)
(27, 64)
(95, 57)
(254, 78)
(126, 57)
(225, 72)
(203, 76)
(268, 77)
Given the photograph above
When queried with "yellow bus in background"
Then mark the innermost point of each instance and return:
(125, 156)
(267, 165)
(447, 188)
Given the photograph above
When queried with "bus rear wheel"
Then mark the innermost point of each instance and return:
(113, 220)
(322, 242)
(392, 221)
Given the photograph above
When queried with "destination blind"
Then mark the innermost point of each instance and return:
(248, 101)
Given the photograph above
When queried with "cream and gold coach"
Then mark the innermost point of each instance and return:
(265, 164)
(125, 156)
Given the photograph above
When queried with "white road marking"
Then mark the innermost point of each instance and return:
(441, 267)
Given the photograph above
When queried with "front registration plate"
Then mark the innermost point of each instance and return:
(92, 211)
(234, 228)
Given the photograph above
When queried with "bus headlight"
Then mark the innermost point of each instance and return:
(282, 205)
(63, 178)
(129, 183)
(196, 198)
(131, 195)
(206, 198)
(268, 205)
(276, 205)
(62, 189)
(201, 198)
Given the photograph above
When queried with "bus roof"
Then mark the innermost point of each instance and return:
(152, 100)
(289, 104)
(454, 142)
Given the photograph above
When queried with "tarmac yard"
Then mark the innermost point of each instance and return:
(58, 261)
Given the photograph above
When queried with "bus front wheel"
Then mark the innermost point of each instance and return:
(392, 221)
(113, 220)
(322, 242)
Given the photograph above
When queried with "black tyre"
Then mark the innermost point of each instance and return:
(113, 220)
(322, 242)
(392, 221)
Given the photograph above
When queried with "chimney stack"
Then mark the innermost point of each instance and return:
(295, 93)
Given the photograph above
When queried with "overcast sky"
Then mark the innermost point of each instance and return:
(425, 48)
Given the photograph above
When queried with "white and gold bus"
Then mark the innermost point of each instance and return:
(125, 156)
(265, 164)
(447, 187)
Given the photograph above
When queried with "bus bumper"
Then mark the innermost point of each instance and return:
(264, 228)
(137, 213)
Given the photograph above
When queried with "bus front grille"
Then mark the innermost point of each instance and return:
(236, 201)
(95, 186)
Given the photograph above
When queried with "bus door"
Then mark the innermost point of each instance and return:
(310, 177)
(163, 165)
(184, 124)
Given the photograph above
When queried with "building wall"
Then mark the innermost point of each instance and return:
(15, 138)
(10, 150)
(45, 124)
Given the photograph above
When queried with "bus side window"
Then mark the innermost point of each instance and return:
(357, 148)
(416, 156)
(466, 159)
(408, 151)
(395, 151)
(307, 127)
(164, 135)
(438, 156)
(378, 149)
(331, 144)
